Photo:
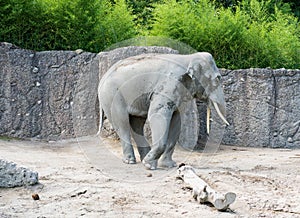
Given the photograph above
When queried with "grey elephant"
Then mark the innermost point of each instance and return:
(156, 87)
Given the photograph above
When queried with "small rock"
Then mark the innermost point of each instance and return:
(66, 106)
(290, 139)
(149, 175)
(179, 181)
(36, 197)
(78, 51)
(13, 176)
(13, 84)
(12, 131)
(35, 70)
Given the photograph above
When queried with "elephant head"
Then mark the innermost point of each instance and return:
(208, 84)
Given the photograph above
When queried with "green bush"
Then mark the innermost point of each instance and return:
(254, 33)
(70, 24)
(65, 25)
(142, 9)
(245, 37)
(118, 24)
(20, 22)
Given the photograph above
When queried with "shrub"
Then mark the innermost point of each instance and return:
(48, 24)
(20, 22)
(118, 24)
(245, 37)
(255, 33)
(142, 10)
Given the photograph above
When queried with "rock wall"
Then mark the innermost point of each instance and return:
(263, 107)
(38, 91)
(53, 95)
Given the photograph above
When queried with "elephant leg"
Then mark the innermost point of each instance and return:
(137, 126)
(122, 126)
(159, 124)
(128, 152)
(174, 132)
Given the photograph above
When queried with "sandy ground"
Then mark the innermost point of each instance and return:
(86, 178)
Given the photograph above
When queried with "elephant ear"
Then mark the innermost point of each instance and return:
(193, 68)
(188, 79)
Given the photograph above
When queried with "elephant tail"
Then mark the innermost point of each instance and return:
(101, 119)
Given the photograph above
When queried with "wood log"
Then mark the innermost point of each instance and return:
(202, 192)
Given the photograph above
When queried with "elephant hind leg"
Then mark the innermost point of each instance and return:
(120, 121)
(173, 136)
(128, 152)
(137, 127)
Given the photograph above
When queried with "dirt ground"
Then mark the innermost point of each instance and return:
(86, 178)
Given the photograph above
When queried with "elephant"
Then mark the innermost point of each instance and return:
(155, 87)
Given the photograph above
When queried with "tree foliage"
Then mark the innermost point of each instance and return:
(239, 33)
(143, 11)
(248, 36)
(48, 24)
(286, 5)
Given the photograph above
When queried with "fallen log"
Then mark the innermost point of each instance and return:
(202, 192)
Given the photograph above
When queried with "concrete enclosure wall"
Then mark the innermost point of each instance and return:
(52, 95)
(263, 106)
(39, 91)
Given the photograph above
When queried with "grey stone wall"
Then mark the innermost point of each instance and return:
(39, 92)
(263, 107)
(53, 95)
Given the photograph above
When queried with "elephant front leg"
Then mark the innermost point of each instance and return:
(174, 132)
(159, 124)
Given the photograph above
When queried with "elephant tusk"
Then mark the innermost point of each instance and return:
(207, 119)
(220, 114)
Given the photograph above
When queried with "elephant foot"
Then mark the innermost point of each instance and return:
(129, 160)
(150, 165)
(143, 152)
(167, 163)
